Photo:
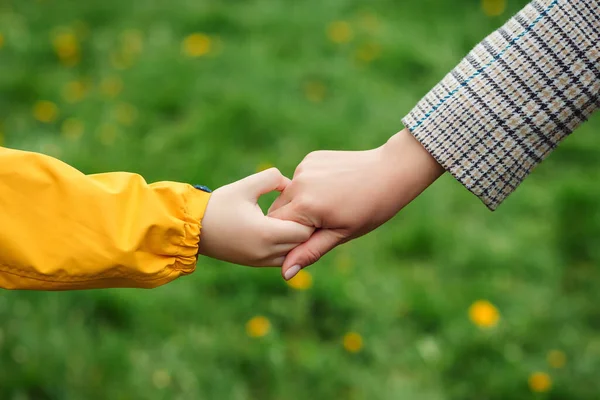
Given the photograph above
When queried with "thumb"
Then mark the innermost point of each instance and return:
(310, 251)
(264, 182)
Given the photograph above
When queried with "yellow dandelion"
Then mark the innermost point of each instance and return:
(111, 86)
(353, 342)
(161, 378)
(196, 45)
(264, 165)
(126, 114)
(74, 91)
(1, 40)
(315, 91)
(66, 47)
(493, 8)
(368, 52)
(339, 32)
(258, 326)
(540, 382)
(132, 41)
(45, 111)
(302, 281)
(107, 134)
(556, 359)
(484, 314)
(72, 129)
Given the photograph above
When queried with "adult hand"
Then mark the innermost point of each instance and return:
(346, 194)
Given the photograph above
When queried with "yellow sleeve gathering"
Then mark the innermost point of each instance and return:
(61, 229)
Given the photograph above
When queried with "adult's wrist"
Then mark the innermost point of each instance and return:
(405, 144)
(412, 169)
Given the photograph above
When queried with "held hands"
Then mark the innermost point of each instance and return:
(234, 228)
(335, 196)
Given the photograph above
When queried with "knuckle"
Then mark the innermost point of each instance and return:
(309, 156)
(307, 212)
(304, 202)
(299, 169)
(259, 256)
(260, 250)
(260, 259)
(313, 255)
(308, 205)
(266, 238)
(274, 172)
(314, 154)
(256, 251)
(302, 205)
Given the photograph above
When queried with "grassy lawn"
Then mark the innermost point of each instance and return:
(447, 301)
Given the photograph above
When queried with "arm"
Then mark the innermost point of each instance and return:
(510, 102)
(488, 123)
(61, 229)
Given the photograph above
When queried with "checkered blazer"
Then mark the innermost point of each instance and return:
(517, 94)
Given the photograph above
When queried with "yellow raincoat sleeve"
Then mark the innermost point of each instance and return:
(61, 229)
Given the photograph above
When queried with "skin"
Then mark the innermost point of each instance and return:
(235, 229)
(346, 194)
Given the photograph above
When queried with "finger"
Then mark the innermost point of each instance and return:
(288, 232)
(275, 262)
(282, 249)
(310, 252)
(284, 198)
(271, 262)
(276, 259)
(265, 182)
(279, 252)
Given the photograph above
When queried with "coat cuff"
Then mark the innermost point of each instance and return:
(511, 101)
(196, 202)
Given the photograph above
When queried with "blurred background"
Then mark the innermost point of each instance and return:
(447, 301)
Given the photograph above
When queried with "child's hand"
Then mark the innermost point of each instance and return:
(235, 229)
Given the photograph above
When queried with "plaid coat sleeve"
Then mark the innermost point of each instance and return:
(517, 94)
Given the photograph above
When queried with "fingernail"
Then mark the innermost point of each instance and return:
(290, 273)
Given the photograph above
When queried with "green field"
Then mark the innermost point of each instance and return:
(207, 92)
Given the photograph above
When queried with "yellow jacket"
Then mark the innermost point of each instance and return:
(61, 229)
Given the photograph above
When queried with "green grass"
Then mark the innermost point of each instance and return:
(406, 288)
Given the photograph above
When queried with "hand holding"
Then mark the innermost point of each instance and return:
(235, 229)
(346, 194)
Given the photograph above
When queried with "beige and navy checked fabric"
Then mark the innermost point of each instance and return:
(517, 94)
